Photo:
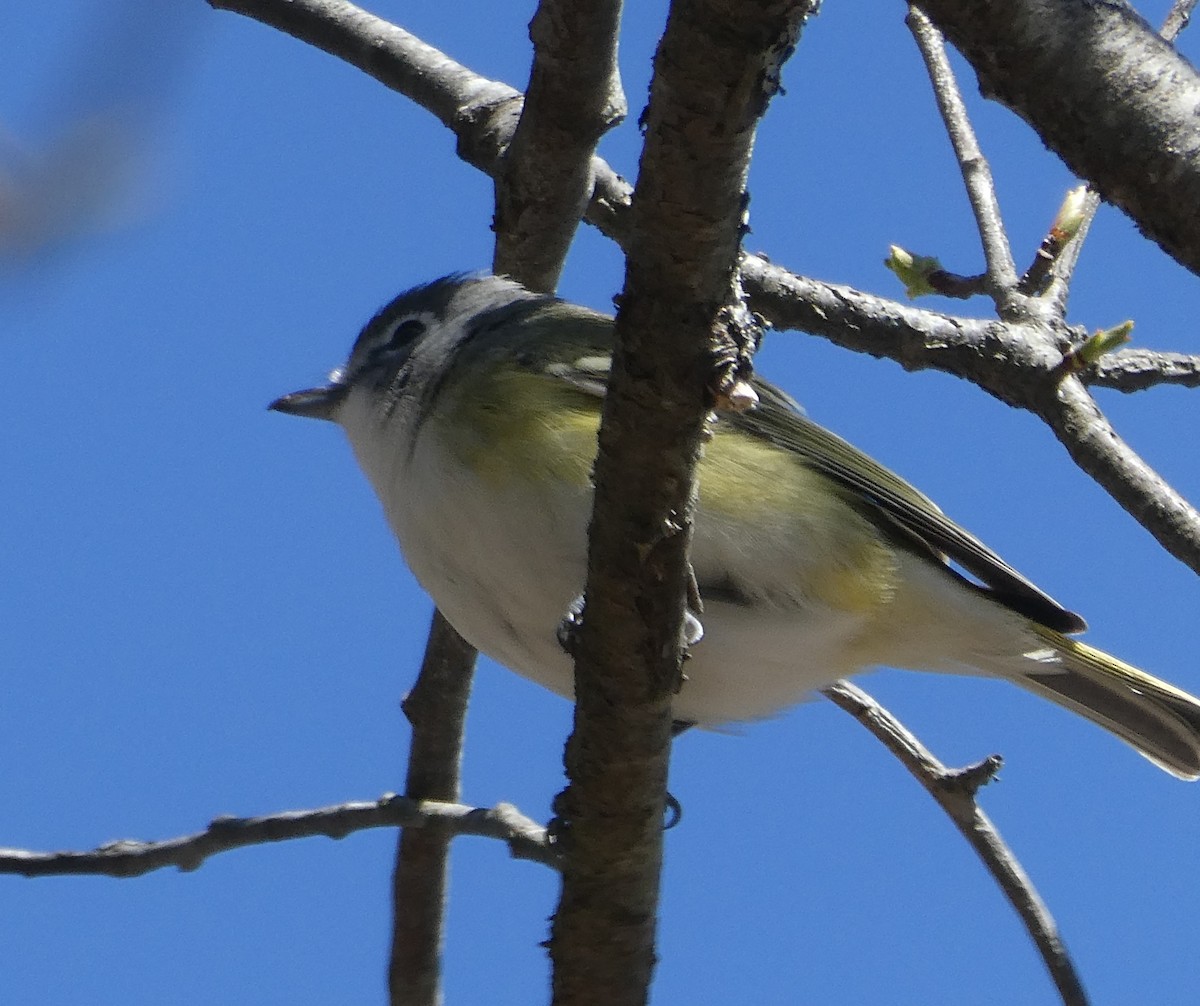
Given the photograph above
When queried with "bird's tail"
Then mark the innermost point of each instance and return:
(1158, 720)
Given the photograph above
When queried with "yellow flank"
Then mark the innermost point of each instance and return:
(515, 426)
(510, 424)
(840, 558)
(746, 478)
(860, 582)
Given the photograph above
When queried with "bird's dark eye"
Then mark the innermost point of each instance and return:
(407, 331)
(401, 339)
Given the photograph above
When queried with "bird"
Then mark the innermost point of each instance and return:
(472, 405)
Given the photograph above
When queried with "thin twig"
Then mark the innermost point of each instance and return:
(481, 112)
(128, 858)
(977, 175)
(1178, 18)
(958, 286)
(1063, 267)
(954, 791)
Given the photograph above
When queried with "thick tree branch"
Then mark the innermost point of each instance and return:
(541, 191)
(526, 839)
(544, 182)
(716, 68)
(954, 791)
(1108, 95)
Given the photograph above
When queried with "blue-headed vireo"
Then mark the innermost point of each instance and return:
(472, 405)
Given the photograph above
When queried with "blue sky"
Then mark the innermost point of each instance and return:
(205, 613)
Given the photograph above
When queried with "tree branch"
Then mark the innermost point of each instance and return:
(127, 858)
(482, 113)
(716, 67)
(915, 338)
(1138, 369)
(544, 181)
(437, 709)
(1095, 446)
(954, 790)
(1018, 364)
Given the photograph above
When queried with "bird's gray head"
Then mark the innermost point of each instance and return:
(410, 340)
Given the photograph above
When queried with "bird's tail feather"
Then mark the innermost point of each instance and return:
(1158, 720)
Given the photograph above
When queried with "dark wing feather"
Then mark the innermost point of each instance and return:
(886, 495)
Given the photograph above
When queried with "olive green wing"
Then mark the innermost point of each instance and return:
(885, 496)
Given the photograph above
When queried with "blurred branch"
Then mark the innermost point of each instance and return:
(88, 172)
(526, 839)
(955, 790)
(544, 179)
(78, 184)
(1180, 17)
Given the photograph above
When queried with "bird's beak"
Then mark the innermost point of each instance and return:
(315, 403)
